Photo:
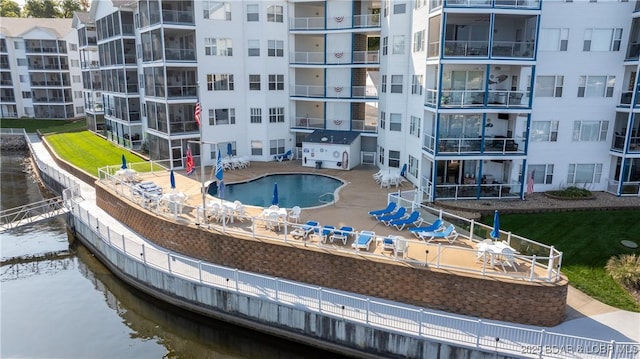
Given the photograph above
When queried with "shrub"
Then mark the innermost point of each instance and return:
(572, 192)
(625, 269)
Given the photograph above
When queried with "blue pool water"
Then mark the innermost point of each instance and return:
(301, 190)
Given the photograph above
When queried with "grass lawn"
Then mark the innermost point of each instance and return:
(45, 126)
(89, 152)
(587, 240)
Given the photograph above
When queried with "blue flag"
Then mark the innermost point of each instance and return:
(219, 170)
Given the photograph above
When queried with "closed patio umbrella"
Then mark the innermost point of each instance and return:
(495, 234)
(274, 200)
(124, 162)
(172, 180)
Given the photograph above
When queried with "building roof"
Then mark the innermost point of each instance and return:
(81, 17)
(17, 26)
(332, 137)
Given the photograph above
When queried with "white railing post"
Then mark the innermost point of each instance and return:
(367, 313)
(108, 236)
(319, 299)
(286, 224)
(200, 271)
(478, 333)
(509, 238)
(550, 264)
(612, 350)
(472, 224)
(235, 274)
(438, 257)
(276, 285)
(169, 262)
(541, 343)
(253, 227)
(123, 246)
(533, 268)
(420, 315)
(144, 254)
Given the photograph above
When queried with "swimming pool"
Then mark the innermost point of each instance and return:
(302, 190)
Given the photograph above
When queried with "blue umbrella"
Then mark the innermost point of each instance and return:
(403, 172)
(229, 150)
(495, 234)
(124, 162)
(172, 180)
(275, 200)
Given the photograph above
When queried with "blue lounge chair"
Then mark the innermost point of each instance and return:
(413, 218)
(286, 156)
(433, 227)
(401, 212)
(448, 233)
(325, 233)
(305, 229)
(382, 212)
(363, 240)
(341, 234)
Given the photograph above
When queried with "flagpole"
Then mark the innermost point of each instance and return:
(201, 140)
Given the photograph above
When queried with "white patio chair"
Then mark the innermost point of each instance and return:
(294, 214)
(508, 258)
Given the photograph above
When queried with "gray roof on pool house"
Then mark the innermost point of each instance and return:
(334, 137)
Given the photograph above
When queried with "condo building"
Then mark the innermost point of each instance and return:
(39, 69)
(474, 99)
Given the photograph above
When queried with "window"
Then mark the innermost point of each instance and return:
(399, 8)
(414, 126)
(590, 130)
(222, 116)
(255, 115)
(253, 12)
(22, 62)
(256, 148)
(544, 131)
(254, 82)
(602, 39)
(26, 94)
(383, 85)
(276, 82)
(554, 39)
(413, 166)
(549, 86)
(254, 47)
(396, 84)
(218, 47)
(394, 159)
(584, 173)
(381, 156)
(385, 45)
(416, 84)
(395, 122)
(596, 86)
(276, 147)
(383, 119)
(275, 48)
(74, 47)
(220, 82)
(75, 63)
(216, 10)
(223, 146)
(76, 78)
(274, 13)
(418, 41)
(542, 174)
(79, 109)
(398, 44)
(276, 114)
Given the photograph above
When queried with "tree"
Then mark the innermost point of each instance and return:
(9, 8)
(41, 9)
(68, 7)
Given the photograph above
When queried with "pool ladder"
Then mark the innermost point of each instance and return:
(332, 200)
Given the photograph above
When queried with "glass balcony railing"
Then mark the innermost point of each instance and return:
(177, 17)
(308, 123)
(336, 57)
(177, 54)
(306, 23)
(334, 91)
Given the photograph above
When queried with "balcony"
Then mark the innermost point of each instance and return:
(179, 91)
(338, 92)
(335, 58)
(364, 125)
(306, 23)
(512, 4)
(466, 48)
(488, 145)
(476, 98)
(178, 54)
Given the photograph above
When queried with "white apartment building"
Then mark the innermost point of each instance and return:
(39, 69)
(480, 99)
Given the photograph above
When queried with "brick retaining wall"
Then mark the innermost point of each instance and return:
(500, 299)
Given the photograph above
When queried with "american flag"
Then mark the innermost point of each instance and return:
(196, 114)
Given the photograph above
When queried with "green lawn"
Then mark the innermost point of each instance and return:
(587, 240)
(89, 151)
(45, 126)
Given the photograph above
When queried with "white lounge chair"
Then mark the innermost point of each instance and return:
(448, 233)
(363, 240)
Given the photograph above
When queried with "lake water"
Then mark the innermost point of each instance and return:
(58, 301)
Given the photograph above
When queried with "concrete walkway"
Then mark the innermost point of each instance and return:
(586, 317)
